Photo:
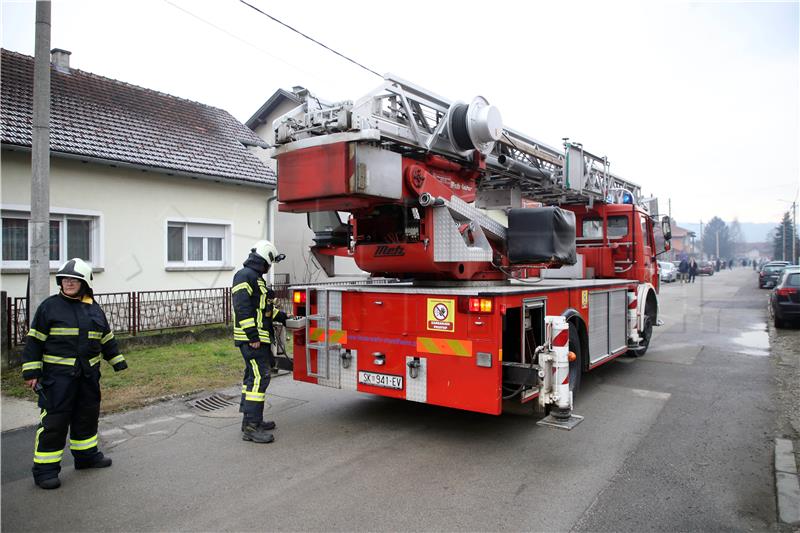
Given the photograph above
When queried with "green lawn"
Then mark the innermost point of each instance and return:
(156, 372)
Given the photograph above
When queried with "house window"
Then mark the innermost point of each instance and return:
(70, 236)
(193, 244)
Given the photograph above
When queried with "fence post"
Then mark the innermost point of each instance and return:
(135, 313)
(5, 322)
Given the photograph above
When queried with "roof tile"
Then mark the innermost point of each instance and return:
(111, 120)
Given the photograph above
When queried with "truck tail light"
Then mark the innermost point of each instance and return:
(475, 305)
(786, 292)
(299, 297)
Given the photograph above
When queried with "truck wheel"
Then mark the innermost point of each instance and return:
(647, 332)
(576, 366)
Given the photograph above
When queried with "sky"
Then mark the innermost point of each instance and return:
(696, 102)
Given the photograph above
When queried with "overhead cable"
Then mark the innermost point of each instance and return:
(251, 6)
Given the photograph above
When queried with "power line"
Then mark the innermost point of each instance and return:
(240, 39)
(251, 6)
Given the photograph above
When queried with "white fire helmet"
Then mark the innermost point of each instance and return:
(75, 268)
(267, 250)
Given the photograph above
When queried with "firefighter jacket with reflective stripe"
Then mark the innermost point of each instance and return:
(254, 308)
(69, 336)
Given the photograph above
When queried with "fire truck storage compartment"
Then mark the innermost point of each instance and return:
(541, 234)
(339, 169)
(607, 323)
(523, 331)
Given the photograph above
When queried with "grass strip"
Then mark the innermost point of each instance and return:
(156, 372)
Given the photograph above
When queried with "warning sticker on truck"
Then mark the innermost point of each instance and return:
(441, 314)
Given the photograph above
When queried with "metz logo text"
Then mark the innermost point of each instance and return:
(389, 251)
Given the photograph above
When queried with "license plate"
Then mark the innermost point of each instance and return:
(380, 380)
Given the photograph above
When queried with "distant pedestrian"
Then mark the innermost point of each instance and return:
(717, 264)
(68, 338)
(692, 269)
(683, 270)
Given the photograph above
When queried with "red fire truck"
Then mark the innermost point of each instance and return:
(502, 268)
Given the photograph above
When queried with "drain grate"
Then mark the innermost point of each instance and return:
(214, 402)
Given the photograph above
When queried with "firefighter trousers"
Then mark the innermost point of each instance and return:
(255, 382)
(69, 403)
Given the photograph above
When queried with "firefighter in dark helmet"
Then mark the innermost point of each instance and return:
(68, 338)
(254, 314)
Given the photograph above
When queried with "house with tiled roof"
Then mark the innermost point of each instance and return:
(293, 236)
(156, 192)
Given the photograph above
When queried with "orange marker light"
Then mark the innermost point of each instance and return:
(571, 356)
(299, 297)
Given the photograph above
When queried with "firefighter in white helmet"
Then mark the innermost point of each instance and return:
(253, 315)
(68, 338)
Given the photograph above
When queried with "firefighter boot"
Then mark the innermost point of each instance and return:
(49, 483)
(254, 433)
(266, 426)
(100, 462)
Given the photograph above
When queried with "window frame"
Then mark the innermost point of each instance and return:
(185, 264)
(62, 215)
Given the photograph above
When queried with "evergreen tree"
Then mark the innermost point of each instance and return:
(717, 230)
(782, 248)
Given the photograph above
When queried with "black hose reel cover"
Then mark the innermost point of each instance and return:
(541, 235)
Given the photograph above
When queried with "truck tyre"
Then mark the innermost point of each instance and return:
(647, 332)
(576, 366)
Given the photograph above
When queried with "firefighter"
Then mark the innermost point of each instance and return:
(254, 314)
(68, 338)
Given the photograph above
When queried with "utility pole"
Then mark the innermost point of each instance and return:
(794, 232)
(783, 248)
(40, 163)
(717, 234)
(702, 241)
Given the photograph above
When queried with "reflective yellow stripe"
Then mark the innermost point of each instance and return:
(243, 286)
(84, 444)
(32, 365)
(95, 334)
(95, 360)
(247, 323)
(115, 360)
(240, 337)
(37, 335)
(43, 414)
(63, 331)
(255, 396)
(44, 457)
(275, 312)
(56, 360)
(107, 338)
(257, 381)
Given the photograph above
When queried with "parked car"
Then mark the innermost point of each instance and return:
(768, 277)
(669, 272)
(785, 297)
(705, 267)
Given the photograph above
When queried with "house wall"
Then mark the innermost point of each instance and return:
(134, 207)
(291, 233)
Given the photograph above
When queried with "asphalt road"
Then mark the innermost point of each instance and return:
(680, 439)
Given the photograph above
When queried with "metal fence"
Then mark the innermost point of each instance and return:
(133, 312)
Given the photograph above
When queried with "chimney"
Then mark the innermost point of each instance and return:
(60, 59)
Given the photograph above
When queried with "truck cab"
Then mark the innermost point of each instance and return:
(616, 241)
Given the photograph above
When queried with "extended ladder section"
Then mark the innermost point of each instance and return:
(409, 119)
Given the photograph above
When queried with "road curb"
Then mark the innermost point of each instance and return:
(787, 483)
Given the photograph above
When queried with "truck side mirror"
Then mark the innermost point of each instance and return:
(666, 229)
